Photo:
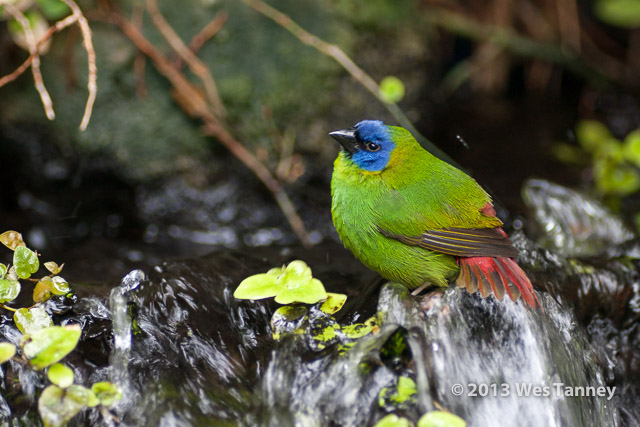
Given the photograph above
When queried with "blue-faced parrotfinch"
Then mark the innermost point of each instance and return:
(418, 220)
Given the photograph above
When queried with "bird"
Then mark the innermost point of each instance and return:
(418, 220)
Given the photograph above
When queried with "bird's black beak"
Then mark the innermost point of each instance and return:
(346, 138)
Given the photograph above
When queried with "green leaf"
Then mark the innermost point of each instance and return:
(3, 271)
(289, 284)
(309, 293)
(59, 286)
(49, 345)
(58, 406)
(11, 239)
(258, 286)
(631, 147)
(9, 290)
(591, 134)
(392, 420)
(7, 351)
(60, 375)
(621, 13)
(93, 400)
(42, 290)
(25, 262)
(30, 320)
(616, 179)
(399, 395)
(441, 419)
(53, 9)
(108, 393)
(333, 303)
(391, 89)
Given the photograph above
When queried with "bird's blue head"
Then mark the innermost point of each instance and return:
(368, 144)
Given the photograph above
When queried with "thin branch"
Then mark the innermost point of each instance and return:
(193, 102)
(35, 63)
(459, 24)
(195, 64)
(209, 30)
(58, 26)
(91, 59)
(140, 61)
(347, 63)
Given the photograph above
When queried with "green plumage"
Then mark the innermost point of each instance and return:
(413, 193)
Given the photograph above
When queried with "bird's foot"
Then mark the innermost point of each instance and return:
(420, 288)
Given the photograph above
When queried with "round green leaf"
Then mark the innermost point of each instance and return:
(25, 262)
(30, 320)
(59, 286)
(258, 286)
(9, 290)
(391, 89)
(49, 345)
(7, 351)
(617, 179)
(108, 393)
(3, 271)
(93, 400)
(333, 303)
(291, 283)
(309, 293)
(621, 13)
(60, 375)
(591, 133)
(393, 420)
(631, 147)
(11, 239)
(441, 419)
(58, 406)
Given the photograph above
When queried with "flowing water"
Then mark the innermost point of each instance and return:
(186, 352)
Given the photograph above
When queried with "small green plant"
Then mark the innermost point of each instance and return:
(430, 419)
(620, 13)
(615, 163)
(295, 285)
(292, 283)
(44, 344)
(391, 89)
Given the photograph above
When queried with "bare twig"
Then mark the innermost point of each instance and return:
(35, 62)
(91, 59)
(193, 102)
(195, 64)
(58, 26)
(459, 24)
(140, 61)
(209, 30)
(346, 62)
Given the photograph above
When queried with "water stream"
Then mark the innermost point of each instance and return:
(186, 352)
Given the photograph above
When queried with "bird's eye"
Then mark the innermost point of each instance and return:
(372, 146)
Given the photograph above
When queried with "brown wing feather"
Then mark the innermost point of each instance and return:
(461, 242)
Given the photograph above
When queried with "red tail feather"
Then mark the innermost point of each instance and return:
(498, 276)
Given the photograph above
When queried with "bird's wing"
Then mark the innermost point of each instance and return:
(461, 242)
(448, 213)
